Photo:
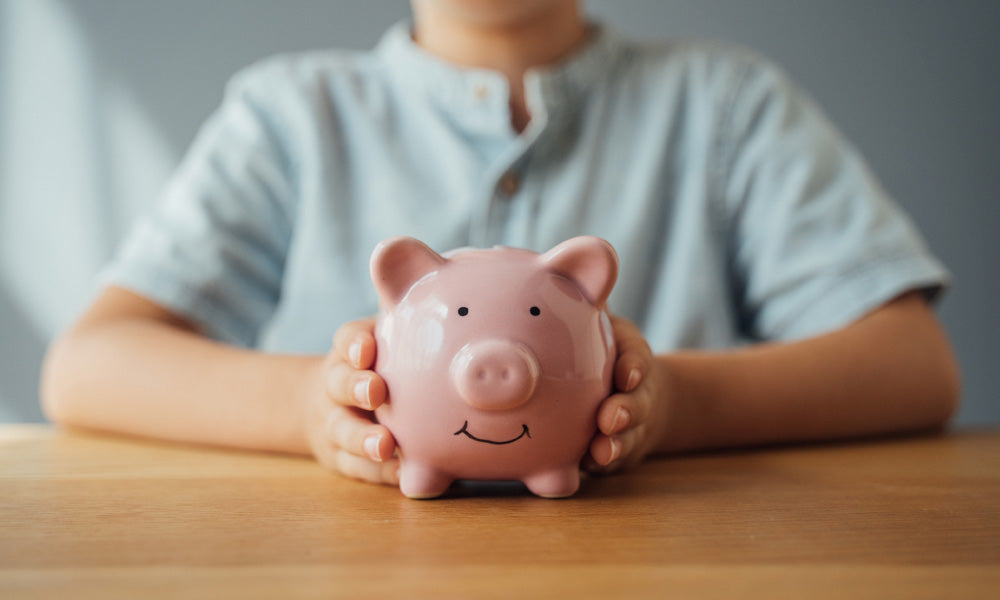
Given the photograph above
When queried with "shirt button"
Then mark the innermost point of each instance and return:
(481, 92)
(510, 183)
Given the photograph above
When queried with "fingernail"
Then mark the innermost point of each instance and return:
(622, 419)
(634, 376)
(371, 448)
(354, 353)
(361, 393)
(616, 449)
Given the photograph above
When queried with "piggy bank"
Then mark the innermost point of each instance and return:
(495, 361)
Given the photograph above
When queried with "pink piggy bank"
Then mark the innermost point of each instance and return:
(495, 361)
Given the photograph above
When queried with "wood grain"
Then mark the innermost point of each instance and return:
(86, 515)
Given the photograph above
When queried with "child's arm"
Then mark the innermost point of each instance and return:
(131, 366)
(890, 371)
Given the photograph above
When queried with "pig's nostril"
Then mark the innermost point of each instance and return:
(505, 375)
(481, 374)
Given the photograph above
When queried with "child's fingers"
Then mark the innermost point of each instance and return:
(345, 463)
(630, 369)
(361, 468)
(359, 436)
(628, 336)
(620, 412)
(354, 343)
(348, 386)
(612, 452)
(634, 355)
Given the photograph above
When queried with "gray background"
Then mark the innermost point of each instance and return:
(101, 97)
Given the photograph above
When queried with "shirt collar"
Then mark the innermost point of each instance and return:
(478, 97)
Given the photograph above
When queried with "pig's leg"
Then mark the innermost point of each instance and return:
(417, 480)
(554, 483)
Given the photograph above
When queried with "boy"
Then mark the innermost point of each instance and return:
(739, 214)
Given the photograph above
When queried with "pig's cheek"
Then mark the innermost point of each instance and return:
(431, 337)
(422, 335)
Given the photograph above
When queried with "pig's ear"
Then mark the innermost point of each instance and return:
(397, 263)
(589, 261)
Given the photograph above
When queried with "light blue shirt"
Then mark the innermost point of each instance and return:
(737, 211)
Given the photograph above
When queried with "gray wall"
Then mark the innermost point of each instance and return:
(913, 84)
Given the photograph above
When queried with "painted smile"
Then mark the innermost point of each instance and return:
(465, 430)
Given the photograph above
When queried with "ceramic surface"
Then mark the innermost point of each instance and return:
(496, 360)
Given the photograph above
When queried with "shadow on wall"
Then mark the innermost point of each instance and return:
(126, 84)
(19, 363)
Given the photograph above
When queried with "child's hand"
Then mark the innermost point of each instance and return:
(631, 421)
(340, 425)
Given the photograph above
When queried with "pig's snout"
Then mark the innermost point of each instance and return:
(495, 374)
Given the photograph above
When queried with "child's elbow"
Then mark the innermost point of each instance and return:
(936, 378)
(948, 387)
(56, 387)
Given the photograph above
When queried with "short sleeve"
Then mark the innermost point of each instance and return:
(815, 241)
(213, 250)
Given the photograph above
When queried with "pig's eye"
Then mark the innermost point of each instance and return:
(535, 311)
(462, 311)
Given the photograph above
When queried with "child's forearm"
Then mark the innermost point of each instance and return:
(891, 371)
(147, 377)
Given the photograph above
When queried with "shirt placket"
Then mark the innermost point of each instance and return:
(503, 220)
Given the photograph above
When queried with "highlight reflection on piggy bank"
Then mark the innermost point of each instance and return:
(495, 361)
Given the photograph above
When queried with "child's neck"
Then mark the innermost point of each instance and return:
(511, 45)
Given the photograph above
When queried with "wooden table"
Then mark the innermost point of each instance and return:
(88, 516)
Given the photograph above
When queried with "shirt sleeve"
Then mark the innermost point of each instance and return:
(815, 242)
(213, 250)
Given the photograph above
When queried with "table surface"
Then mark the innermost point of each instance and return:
(83, 515)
